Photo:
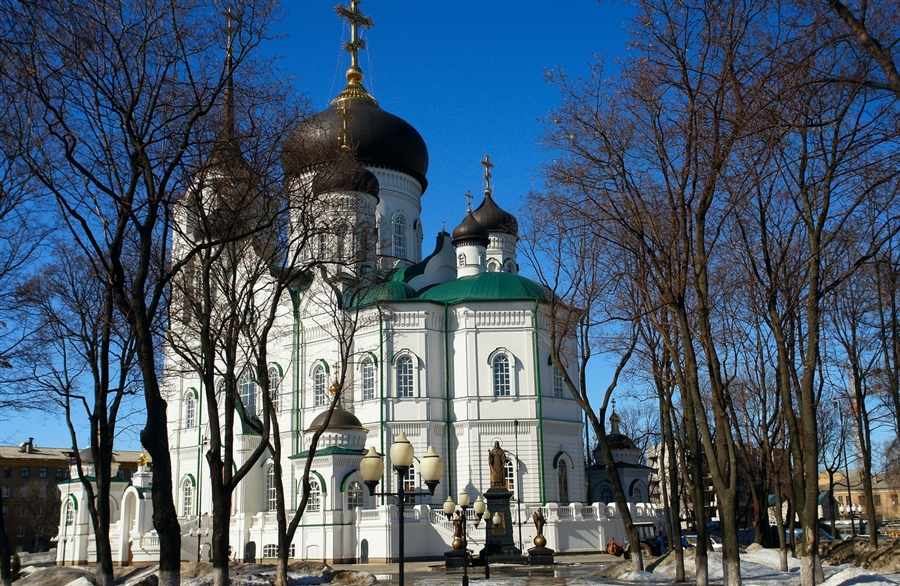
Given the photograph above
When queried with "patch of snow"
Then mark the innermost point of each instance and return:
(82, 581)
(853, 575)
(638, 576)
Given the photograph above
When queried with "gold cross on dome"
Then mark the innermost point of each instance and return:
(355, 18)
(346, 118)
(486, 161)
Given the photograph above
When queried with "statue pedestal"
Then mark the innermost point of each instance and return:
(500, 546)
(456, 559)
(540, 556)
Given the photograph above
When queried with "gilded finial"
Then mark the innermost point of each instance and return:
(468, 201)
(486, 161)
(143, 459)
(354, 89)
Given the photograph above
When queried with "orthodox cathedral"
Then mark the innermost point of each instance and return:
(450, 349)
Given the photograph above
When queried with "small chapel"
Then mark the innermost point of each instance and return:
(452, 352)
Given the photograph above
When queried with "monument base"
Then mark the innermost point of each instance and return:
(456, 559)
(540, 556)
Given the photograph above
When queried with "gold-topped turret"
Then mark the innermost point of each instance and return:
(354, 89)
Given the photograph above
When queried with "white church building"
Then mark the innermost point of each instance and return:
(452, 351)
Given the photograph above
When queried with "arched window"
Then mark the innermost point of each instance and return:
(319, 386)
(190, 410)
(502, 385)
(355, 495)
(399, 240)
(314, 504)
(405, 377)
(606, 493)
(563, 477)
(271, 493)
(70, 512)
(270, 550)
(557, 383)
(368, 380)
(248, 392)
(509, 474)
(187, 497)
(637, 493)
(274, 384)
(411, 482)
(493, 267)
(460, 260)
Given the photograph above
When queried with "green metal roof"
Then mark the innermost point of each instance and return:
(330, 451)
(487, 287)
(387, 291)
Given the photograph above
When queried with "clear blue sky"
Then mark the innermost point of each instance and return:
(468, 75)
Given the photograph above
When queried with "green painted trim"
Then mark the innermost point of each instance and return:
(295, 302)
(192, 479)
(194, 392)
(277, 367)
(74, 500)
(321, 481)
(451, 489)
(200, 411)
(540, 409)
(346, 479)
(557, 457)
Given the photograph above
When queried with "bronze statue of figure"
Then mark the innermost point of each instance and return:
(539, 521)
(497, 462)
(458, 527)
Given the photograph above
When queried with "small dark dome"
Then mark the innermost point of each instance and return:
(494, 218)
(618, 441)
(358, 179)
(470, 230)
(377, 138)
(340, 419)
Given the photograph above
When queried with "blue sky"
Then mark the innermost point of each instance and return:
(468, 75)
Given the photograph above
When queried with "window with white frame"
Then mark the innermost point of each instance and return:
(248, 392)
(355, 495)
(557, 383)
(368, 379)
(314, 504)
(271, 493)
(319, 386)
(70, 512)
(270, 550)
(502, 380)
(274, 385)
(190, 410)
(399, 236)
(509, 474)
(187, 497)
(405, 377)
(411, 483)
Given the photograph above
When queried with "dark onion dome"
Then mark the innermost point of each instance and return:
(470, 230)
(487, 287)
(340, 419)
(377, 138)
(494, 218)
(387, 291)
(357, 179)
(619, 441)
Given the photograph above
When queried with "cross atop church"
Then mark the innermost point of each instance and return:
(346, 118)
(468, 201)
(488, 165)
(355, 18)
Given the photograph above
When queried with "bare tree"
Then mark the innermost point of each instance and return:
(118, 95)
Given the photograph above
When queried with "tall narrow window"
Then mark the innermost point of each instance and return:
(187, 498)
(563, 478)
(411, 483)
(502, 384)
(190, 411)
(314, 503)
(319, 386)
(248, 392)
(557, 383)
(405, 377)
(368, 380)
(355, 495)
(70, 512)
(509, 474)
(400, 237)
(274, 385)
(271, 494)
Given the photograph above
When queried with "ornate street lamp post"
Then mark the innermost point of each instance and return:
(460, 539)
(371, 468)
